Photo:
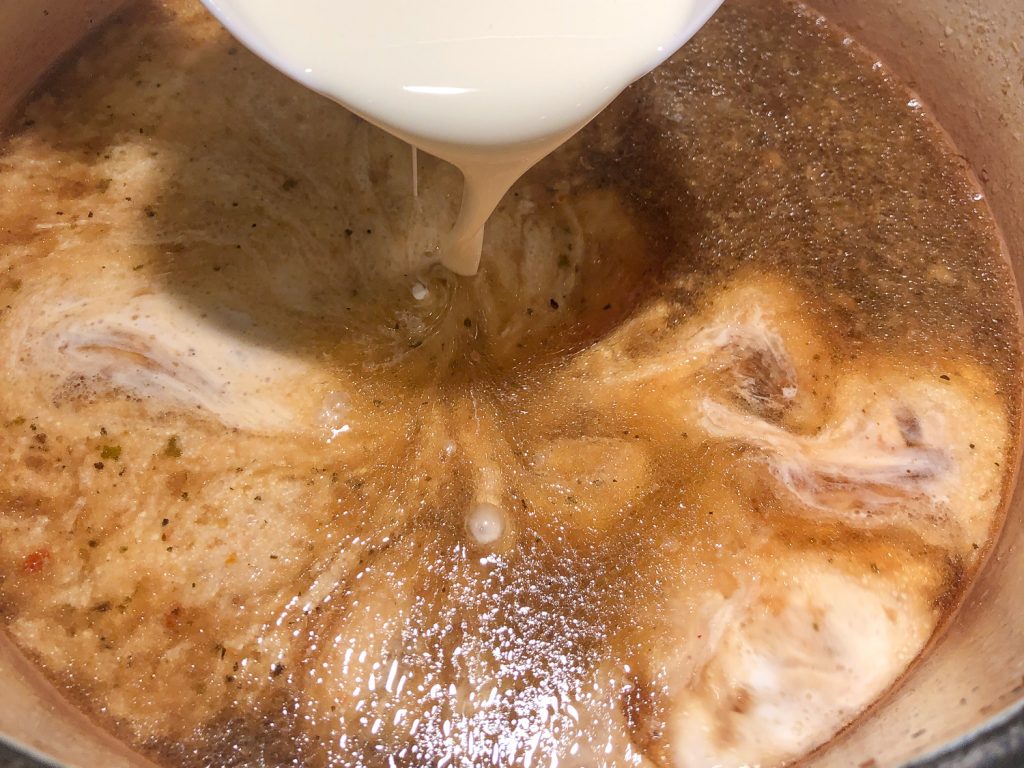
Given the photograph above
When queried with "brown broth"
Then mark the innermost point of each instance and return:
(741, 365)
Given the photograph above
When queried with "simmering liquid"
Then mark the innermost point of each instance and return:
(688, 476)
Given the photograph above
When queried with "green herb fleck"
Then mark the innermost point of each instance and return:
(111, 452)
(172, 450)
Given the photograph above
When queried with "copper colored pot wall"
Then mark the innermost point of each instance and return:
(966, 60)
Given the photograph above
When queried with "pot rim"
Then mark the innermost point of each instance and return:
(998, 743)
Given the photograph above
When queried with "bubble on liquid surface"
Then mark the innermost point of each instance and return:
(485, 523)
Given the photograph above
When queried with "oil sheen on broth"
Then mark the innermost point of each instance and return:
(688, 476)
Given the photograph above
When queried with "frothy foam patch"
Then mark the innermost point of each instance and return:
(788, 658)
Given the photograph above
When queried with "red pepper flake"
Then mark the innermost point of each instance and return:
(34, 562)
(173, 618)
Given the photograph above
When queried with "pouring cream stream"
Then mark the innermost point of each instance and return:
(491, 87)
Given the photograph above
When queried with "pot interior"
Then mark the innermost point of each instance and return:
(963, 57)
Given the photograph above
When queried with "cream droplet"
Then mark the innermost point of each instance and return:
(485, 523)
(420, 291)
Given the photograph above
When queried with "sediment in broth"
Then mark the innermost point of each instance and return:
(688, 476)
